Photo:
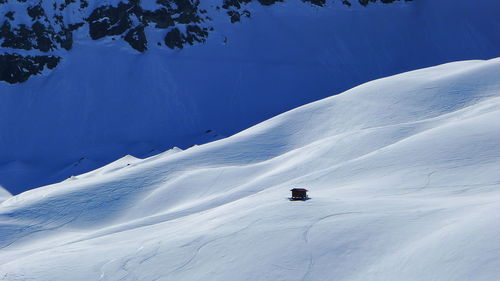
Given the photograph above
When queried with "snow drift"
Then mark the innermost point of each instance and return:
(402, 172)
(105, 99)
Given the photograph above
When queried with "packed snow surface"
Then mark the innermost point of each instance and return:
(404, 181)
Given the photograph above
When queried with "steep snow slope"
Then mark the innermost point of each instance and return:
(402, 172)
(105, 100)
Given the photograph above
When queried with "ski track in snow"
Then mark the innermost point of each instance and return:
(306, 239)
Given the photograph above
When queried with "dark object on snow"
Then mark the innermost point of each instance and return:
(299, 194)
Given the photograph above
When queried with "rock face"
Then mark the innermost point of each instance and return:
(15, 68)
(48, 25)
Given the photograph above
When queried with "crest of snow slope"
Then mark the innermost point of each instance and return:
(402, 172)
(4, 194)
(105, 100)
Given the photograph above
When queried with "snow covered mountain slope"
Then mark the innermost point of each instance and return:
(403, 179)
(4, 194)
(106, 96)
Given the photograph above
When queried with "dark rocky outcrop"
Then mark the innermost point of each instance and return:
(194, 34)
(366, 2)
(10, 15)
(15, 68)
(109, 21)
(320, 3)
(137, 38)
(113, 21)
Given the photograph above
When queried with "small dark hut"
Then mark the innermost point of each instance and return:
(299, 194)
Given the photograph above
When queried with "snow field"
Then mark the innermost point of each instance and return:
(403, 179)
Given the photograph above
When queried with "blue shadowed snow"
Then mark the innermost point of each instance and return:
(105, 100)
